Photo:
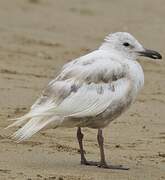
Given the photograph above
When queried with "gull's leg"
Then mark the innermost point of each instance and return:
(103, 163)
(83, 159)
(100, 140)
(80, 138)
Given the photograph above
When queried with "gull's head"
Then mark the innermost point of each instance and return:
(126, 45)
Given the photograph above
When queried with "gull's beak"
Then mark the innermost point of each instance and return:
(150, 53)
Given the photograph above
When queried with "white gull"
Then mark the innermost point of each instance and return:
(90, 91)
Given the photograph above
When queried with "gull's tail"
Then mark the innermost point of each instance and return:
(32, 123)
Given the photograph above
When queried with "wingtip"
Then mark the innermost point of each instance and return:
(16, 138)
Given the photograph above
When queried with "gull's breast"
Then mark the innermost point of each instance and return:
(115, 109)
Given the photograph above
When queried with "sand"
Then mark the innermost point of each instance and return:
(36, 38)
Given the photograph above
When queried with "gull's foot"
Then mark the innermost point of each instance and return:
(103, 165)
(116, 167)
(90, 163)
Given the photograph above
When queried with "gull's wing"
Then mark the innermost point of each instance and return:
(91, 100)
(84, 88)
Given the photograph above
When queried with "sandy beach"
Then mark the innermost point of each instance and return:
(36, 38)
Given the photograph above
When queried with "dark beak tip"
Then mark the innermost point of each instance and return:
(151, 54)
(157, 56)
(160, 57)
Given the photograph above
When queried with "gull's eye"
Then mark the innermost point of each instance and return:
(126, 44)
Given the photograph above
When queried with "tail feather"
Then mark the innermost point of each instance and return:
(18, 121)
(22, 120)
(30, 128)
(37, 119)
(33, 124)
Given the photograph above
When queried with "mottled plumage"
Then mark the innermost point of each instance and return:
(90, 91)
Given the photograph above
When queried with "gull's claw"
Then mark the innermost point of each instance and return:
(115, 167)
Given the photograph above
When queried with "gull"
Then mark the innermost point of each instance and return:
(90, 91)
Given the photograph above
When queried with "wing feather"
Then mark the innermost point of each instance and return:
(89, 102)
(85, 87)
(75, 92)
